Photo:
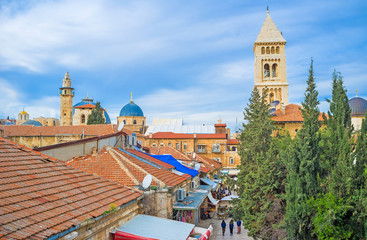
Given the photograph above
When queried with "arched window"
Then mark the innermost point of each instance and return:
(143, 122)
(271, 97)
(134, 122)
(277, 50)
(266, 71)
(233, 148)
(274, 70)
(272, 50)
(267, 50)
(263, 50)
(231, 161)
(124, 121)
(82, 120)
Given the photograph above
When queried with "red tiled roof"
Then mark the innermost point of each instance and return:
(89, 105)
(89, 130)
(171, 135)
(220, 125)
(151, 159)
(41, 196)
(162, 150)
(292, 114)
(209, 163)
(125, 169)
(232, 141)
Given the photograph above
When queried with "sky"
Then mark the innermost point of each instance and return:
(181, 59)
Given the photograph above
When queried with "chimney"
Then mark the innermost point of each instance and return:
(194, 135)
(150, 135)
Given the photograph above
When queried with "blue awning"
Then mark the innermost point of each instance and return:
(192, 201)
(179, 167)
(207, 181)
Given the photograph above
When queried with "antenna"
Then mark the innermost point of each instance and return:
(147, 181)
(121, 126)
(274, 103)
(197, 167)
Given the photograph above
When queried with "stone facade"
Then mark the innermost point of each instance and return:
(48, 121)
(135, 124)
(66, 102)
(270, 62)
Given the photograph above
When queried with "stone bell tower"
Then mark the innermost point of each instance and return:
(66, 102)
(270, 62)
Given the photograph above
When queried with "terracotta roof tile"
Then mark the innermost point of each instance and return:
(43, 196)
(171, 135)
(232, 141)
(151, 159)
(89, 105)
(89, 130)
(125, 168)
(292, 114)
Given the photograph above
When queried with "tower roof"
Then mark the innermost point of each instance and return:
(269, 32)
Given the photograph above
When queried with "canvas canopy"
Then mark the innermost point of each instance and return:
(179, 167)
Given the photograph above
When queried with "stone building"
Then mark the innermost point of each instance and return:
(358, 108)
(83, 109)
(48, 121)
(270, 62)
(66, 101)
(23, 116)
(132, 117)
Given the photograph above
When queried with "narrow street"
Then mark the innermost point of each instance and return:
(217, 232)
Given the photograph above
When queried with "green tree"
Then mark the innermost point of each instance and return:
(303, 166)
(96, 117)
(360, 162)
(260, 206)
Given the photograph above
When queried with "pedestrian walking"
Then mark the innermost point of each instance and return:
(239, 226)
(231, 225)
(223, 227)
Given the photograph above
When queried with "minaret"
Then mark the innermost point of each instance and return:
(270, 62)
(66, 101)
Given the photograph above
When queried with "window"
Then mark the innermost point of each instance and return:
(169, 144)
(161, 144)
(82, 119)
(143, 122)
(124, 121)
(272, 50)
(274, 70)
(185, 146)
(216, 148)
(218, 159)
(277, 50)
(296, 130)
(154, 144)
(234, 149)
(231, 161)
(266, 71)
(201, 149)
(271, 97)
(134, 122)
(267, 50)
(64, 114)
(262, 50)
(177, 146)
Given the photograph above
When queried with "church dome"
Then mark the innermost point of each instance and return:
(23, 112)
(33, 123)
(358, 106)
(131, 109)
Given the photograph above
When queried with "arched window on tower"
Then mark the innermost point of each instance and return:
(267, 50)
(266, 71)
(274, 70)
(277, 50)
(82, 120)
(272, 50)
(263, 50)
(124, 121)
(134, 122)
(271, 97)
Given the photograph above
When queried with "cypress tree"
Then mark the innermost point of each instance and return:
(260, 179)
(360, 161)
(96, 117)
(303, 167)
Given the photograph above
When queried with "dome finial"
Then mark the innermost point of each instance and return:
(267, 9)
(356, 93)
(131, 100)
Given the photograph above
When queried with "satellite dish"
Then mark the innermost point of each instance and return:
(121, 126)
(197, 167)
(272, 110)
(147, 181)
(274, 103)
(193, 155)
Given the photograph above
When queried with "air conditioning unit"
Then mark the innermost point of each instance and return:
(180, 195)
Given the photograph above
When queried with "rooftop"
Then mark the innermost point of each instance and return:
(41, 196)
(292, 113)
(269, 32)
(171, 135)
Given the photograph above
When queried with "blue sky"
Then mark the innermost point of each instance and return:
(181, 59)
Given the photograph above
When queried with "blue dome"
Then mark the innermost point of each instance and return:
(90, 101)
(131, 109)
(358, 106)
(33, 123)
